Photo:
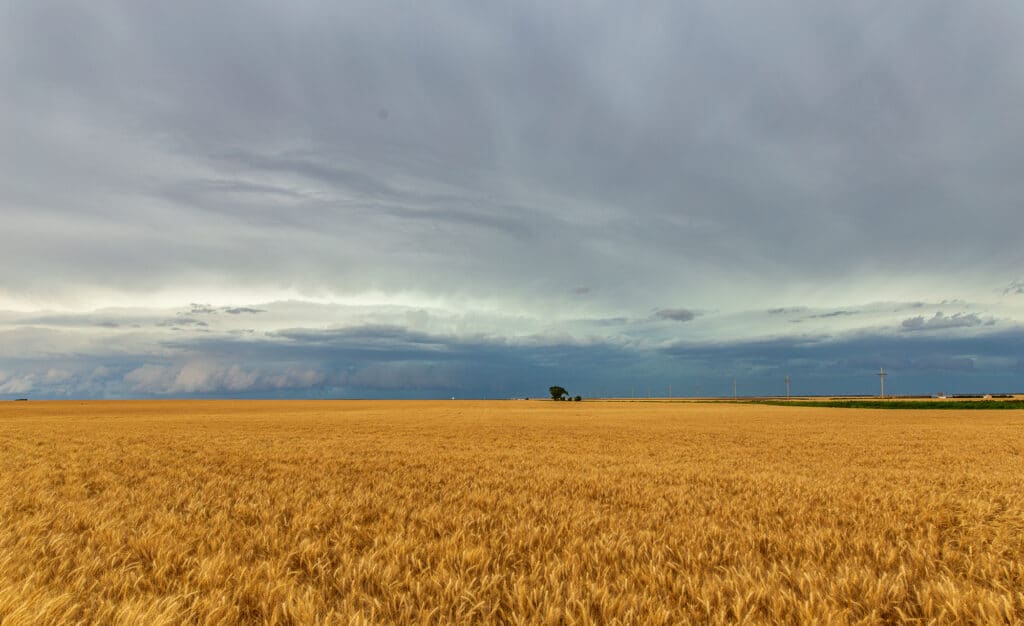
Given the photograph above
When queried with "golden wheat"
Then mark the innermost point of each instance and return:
(511, 512)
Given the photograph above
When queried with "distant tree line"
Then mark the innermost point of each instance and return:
(559, 393)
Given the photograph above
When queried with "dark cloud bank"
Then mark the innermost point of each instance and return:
(393, 361)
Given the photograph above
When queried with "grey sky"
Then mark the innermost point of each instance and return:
(517, 185)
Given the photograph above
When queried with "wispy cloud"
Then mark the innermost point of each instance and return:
(842, 313)
(183, 320)
(1015, 287)
(675, 315)
(941, 321)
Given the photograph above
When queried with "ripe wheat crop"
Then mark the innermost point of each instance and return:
(508, 512)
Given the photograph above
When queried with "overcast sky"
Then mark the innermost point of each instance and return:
(484, 199)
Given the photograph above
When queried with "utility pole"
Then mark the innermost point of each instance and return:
(787, 386)
(881, 377)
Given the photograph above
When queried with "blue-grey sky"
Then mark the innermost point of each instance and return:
(319, 199)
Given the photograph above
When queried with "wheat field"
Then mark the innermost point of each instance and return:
(354, 512)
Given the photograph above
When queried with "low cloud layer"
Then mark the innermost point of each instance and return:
(286, 351)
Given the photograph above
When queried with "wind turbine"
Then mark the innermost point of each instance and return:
(787, 386)
(881, 377)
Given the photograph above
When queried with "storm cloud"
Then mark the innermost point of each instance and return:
(483, 181)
